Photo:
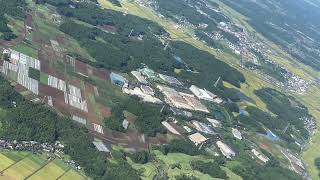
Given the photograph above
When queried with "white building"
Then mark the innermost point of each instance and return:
(170, 128)
(201, 93)
(215, 123)
(139, 77)
(197, 138)
(225, 150)
(236, 133)
(260, 156)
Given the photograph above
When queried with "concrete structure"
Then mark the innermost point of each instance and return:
(179, 112)
(236, 133)
(174, 98)
(194, 103)
(117, 79)
(171, 80)
(202, 94)
(260, 156)
(202, 127)
(197, 138)
(139, 77)
(149, 73)
(125, 124)
(215, 123)
(170, 128)
(225, 150)
(147, 90)
(79, 119)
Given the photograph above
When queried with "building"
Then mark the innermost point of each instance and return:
(147, 90)
(169, 79)
(225, 150)
(236, 133)
(149, 73)
(215, 123)
(194, 102)
(100, 146)
(170, 128)
(202, 127)
(117, 79)
(260, 156)
(179, 112)
(139, 77)
(202, 94)
(174, 98)
(197, 138)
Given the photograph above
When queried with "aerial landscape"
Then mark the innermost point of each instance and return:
(159, 89)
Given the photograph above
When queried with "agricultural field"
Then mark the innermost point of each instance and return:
(25, 165)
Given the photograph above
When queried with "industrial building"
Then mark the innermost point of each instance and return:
(215, 123)
(202, 127)
(170, 128)
(139, 77)
(225, 150)
(117, 79)
(202, 93)
(171, 80)
(149, 73)
(182, 100)
(260, 156)
(197, 138)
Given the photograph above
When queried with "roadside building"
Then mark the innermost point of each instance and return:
(236, 133)
(260, 156)
(225, 150)
(139, 77)
(197, 138)
(117, 79)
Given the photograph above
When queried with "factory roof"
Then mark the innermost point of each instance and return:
(197, 138)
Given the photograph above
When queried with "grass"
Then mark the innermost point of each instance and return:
(27, 49)
(44, 77)
(165, 162)
(5, 162)
(71, 175)
(24, 168)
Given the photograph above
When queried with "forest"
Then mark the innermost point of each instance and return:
(14, 8)
(124, 51)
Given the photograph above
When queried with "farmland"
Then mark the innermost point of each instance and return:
(25, 165)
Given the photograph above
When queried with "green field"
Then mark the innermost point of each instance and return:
(25, 165)
(166, 163)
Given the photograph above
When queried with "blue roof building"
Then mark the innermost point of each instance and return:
(117, 79)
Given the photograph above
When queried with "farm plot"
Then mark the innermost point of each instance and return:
(17, 165)
(72, 174)
(5, 162)
(51, 171)
(22, 169)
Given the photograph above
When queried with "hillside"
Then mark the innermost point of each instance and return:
(151, 89)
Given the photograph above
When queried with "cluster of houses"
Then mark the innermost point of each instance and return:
(183, 102)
